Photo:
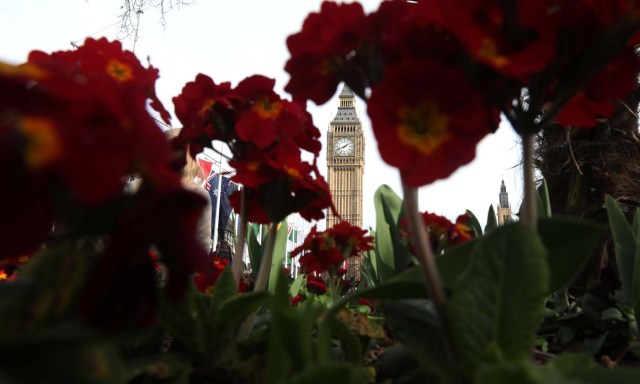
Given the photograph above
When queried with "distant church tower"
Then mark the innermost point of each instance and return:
(345, 166)
(504, 209)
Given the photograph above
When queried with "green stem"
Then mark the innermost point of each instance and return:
(530, 212)
(240, 240)
(425, 253)
(425, 256)
(267, 258)
(261, 280)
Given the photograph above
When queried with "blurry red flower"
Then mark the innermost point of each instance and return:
(296, 300)
(599, 98)
(368, 303)
(316, 285)
(427, 120)
(460, 232)
(501, 35)
(341, 271)
(205, 282)
(319, 53)
(122, 288)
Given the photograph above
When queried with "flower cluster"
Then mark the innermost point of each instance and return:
(316, 285)
(265, 135)
(442, 233)
(327, 250)
(437, 73)
(205, 283)
(73, 126)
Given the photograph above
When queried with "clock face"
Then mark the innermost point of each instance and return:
(343, 146)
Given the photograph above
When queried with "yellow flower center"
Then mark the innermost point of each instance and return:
(266, 109)
(43, 143)
(119, 71)
(489, 50)
(254, 166)
(3, 275)
(423, 127)
(206, 105)
(292, 172)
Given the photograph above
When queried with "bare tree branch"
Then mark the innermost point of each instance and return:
(132, 9)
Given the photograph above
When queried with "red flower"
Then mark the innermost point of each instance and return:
(598, 99)
(278, 183)
(341, 271)
(316, 285)
(514, 43)
(442, 232)
(422, 124)
(83, 120)
(319, 53)
(122, 288)
(460, 232)
(327, 250)
(350, 239)
(265, 135)
(27, 208)
(368, 303)
(296, 300)
(205, 282)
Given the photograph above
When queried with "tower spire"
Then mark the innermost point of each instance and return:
(504, 209)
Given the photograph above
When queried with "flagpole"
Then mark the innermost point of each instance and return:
(216, 220)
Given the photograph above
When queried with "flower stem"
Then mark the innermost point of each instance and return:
(430, 272)
(530, 212)
(267, 258)
(425, 254)
(240, 240)
(261, 280)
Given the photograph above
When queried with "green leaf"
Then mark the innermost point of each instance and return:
(626, 248)
(570, 244)
(474, 223)
(396, 289)
(279, 254)
(367, 270)
(415, 324)
(235, 310)
(520, 372)
(290, 347)
(95, 363)
(499, 302)
(253, 246)
(186, 320)
(388, 206)
(455, 261)
(331, 372)
(582, 369)
(492, 223)
(543, 201)
(295, 286)
(225, 288)
(348, 340)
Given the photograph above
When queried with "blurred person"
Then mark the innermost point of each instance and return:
(194, 179)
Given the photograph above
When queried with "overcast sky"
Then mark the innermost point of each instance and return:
(230, 40)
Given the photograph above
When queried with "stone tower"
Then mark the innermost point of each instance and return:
(345, 166)
(504, 209)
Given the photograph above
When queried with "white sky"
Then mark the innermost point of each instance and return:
(230, 40)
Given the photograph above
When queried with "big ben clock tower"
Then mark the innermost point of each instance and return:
(345, 166)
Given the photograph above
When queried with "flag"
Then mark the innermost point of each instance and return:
(206, 165)
(227, 187)
(292, 235)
